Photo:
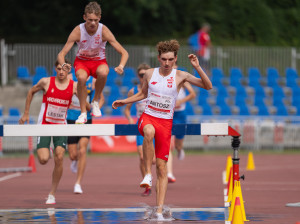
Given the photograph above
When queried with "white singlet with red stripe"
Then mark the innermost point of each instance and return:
(162, 93)
(91, 47)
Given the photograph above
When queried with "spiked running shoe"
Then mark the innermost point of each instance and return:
(82, 119)
(50, 200)
(77, 189)
(147, 181)
(171, 178)
(73, 166)
(96, 112)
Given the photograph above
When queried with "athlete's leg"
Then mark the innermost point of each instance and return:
(72, 149)
(43, 155)
(148, 147)
(83, 143)
(161, 183)
(141, 158)
(101, 73)
(82, 76)
(43, 145)
(58, 168)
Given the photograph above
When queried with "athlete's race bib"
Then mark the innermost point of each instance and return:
(56, 114)
(160, 103)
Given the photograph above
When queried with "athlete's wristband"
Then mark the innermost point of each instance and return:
(63, 65)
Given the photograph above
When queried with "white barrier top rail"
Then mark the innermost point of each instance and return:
(214, 129)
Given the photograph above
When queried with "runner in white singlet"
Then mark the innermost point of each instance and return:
(160, 87)
(91, 38)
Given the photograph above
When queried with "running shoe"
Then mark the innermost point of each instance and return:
(171, 178)
(181, 154)
(73, 166)
(82, 119)
(160, 217)
(50, 200)
(77, 189)
(96, 112)
(147, 192)
(147, 181)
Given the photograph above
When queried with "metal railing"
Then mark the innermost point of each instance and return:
(33, 55)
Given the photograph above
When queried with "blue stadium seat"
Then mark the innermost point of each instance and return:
(217, 76)
(182, 68)
(13, 111)
(241, 91)
(253, 76)
(263, 110)
(14, 115)
(202, 96)
(240, 100)
(259, 91)
(222, 91)
(235, 76)
(278, 92)
(244, 110)
(112, 75)
(206, 109)
(272, 76)
(281, 110)
(291, 77)
(23, 73)
(41, 70)
(189, 108)
(225, 109)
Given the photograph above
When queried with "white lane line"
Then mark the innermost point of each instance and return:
(7, 177)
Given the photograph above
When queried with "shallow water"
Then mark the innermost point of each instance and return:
(127, 215)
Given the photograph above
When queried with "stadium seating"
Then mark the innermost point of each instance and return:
(40, 72)
(23, 74)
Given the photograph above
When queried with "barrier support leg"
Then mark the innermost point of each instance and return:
(235, 143)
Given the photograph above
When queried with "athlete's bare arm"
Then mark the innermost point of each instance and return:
(108, 36)
(43, 84)
(138, 96)
(128, 107)
(189, 97)
(73, 37)
(203, 82)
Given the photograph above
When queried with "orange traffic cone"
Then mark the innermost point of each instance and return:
(237, 213)
(31, 162)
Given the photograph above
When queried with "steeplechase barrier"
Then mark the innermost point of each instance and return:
(204, 129)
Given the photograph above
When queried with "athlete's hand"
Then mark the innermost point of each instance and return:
(117, 103)
(24, 118)
(119, 69)
(194, 60)
(66, 67)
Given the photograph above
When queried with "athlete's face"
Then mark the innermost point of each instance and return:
(91, 22)
(141, 75)
(61, 74)
(167, 60)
